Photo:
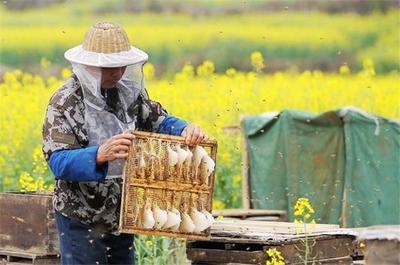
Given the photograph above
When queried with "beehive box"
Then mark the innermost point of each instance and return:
(151, 179)
(382, 244)
(27, 224)
(247, 242)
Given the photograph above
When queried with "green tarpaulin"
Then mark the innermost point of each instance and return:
(345, 162)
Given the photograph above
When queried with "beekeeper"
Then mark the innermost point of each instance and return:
(85, 144)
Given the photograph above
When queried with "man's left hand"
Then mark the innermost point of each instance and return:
(194, 135)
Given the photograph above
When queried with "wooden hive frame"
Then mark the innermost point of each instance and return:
(159, 183)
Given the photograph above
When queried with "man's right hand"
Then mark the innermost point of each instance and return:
(114, 148)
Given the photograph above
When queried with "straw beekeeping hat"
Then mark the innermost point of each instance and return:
(106, 45)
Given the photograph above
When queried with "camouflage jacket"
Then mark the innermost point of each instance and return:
(94, 203)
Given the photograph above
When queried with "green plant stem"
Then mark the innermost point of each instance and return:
(306, 243)
(154, 240)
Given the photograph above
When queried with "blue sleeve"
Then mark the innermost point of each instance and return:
(172, 125)
(77, 165)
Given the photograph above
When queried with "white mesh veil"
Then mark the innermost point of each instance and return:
(100, 123)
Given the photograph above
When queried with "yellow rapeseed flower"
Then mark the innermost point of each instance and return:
(45, 63)
(303, 208)
(368, 68)
(344, 70)
(218, 205)
(236, 180)
(188, 70)
(231, 72)
(65, 73)
(257, 61)
(39, 164)
(212, 103)
(149, 243)
(220, 217)
(149, 71)
(303, 212)
(274, 257)
(205, 69)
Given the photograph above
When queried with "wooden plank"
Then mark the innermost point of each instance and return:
(270, 230)
(6, 253)
(172, 186)
(248, 212)
(217, 256)
(245, 168)
(257, 241)
(235, 225)
(236, 240)
(267, 218)
(168, 137)
(210, 198)
(271, 224)
(324, 249)
(227, 245)
(43, 260)
(333, 261)
(344, 210)
(151, 232)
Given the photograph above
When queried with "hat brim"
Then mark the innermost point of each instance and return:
(79, 55)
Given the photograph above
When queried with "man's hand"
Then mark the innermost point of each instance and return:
(114, 148)
(194, 135)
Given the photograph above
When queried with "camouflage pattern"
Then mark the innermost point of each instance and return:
(93, 203)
